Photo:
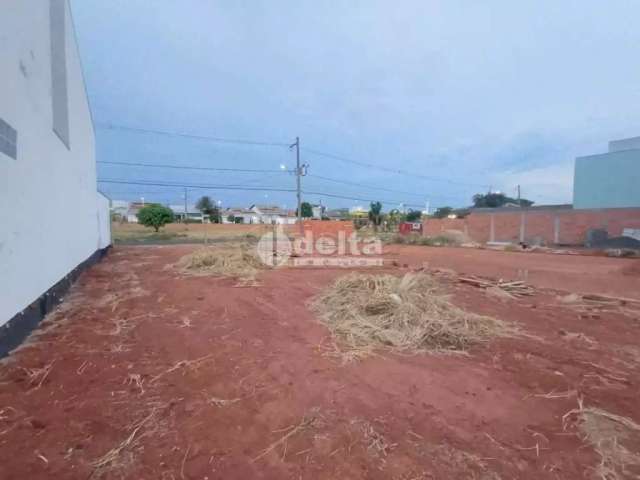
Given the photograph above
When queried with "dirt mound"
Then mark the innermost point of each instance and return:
(408, 313)
(230, 261)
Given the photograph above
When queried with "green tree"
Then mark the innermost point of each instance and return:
(495, 200)
(394, 217)
(205, 205)
(214, 215)
(443, 212)
(414, 215)
(375, 213)
(155, 215)
(231, 219)
(306, 209)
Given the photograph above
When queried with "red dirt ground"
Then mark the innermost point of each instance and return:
(574, 273)
(116, 344)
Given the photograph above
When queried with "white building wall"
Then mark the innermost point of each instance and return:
(103, 215)
(48, 194)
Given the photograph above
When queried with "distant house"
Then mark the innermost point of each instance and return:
(132, 211)
(239, 215)
(192, 213)
(119, 209)
(318, 211)
(270, 214)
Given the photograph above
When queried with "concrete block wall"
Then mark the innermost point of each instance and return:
(561, 226)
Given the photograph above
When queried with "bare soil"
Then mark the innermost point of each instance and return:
(574, 273)
(145, 373)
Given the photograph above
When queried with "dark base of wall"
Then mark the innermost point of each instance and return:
(23, 323)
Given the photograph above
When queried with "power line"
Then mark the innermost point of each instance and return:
(247, 188)
(201, 187)
(375, 187)
(362, 185)
(390, 170)
(264, 171)
(192, 167)
(361, 199)
(112, 126)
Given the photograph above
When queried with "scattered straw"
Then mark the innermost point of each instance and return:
(112, 457)
(183, 365)
(185, 322)
(37, 376)
(577, 336)
(612, 436)
(377, 444)
(223, 402)
(554, 394)
(308, 421)
(464, 464)
(409, 313)
(229, 261)
(135, 379)
(184, 460)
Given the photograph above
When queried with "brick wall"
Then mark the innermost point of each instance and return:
(559, 226)
(329, 228)
(323, 228)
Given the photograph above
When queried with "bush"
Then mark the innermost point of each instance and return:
(155, 215)
(414, 216)
(417, 239)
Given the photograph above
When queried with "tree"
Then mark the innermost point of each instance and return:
(214, 215)
(205, 205)
(155, 215)
(495, 200)
(394, 217)
(306, 209)
(443, 212)
(375, 213)
(231, 219)
(414, 216)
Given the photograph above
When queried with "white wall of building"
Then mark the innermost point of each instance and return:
(52, 217)
(103, 215)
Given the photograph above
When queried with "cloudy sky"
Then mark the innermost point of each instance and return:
(460, 96)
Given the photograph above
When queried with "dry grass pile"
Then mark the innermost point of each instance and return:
(408, 313)
(615, 438)
(229, 261)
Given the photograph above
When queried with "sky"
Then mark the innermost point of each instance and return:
(459, 96)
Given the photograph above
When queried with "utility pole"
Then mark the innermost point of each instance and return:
(298, 184)
(519, 204)
(185, 205)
